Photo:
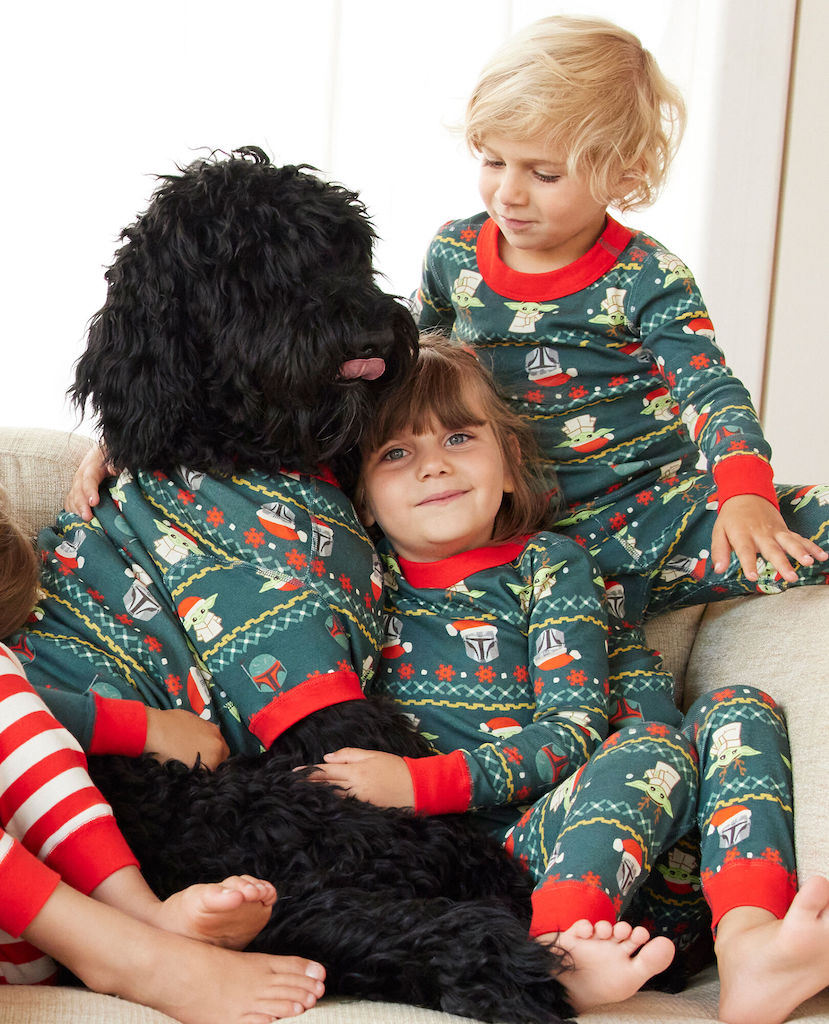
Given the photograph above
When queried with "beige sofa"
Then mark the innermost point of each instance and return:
(776, 642)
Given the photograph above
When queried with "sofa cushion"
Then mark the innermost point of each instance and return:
(36, 468)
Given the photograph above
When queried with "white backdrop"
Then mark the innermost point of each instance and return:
(99, 96)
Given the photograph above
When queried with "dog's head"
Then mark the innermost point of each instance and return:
(243, 328)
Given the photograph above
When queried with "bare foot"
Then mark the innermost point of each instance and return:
(769, 966)
(610, 962)
(194, 982)
(229, 913)
(210, 985)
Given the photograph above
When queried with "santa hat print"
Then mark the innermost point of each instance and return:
(700, 325)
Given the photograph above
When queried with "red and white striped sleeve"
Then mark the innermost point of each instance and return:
(25, 885)
(47, 800)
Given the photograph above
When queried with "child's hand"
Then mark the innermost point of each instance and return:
(83, 494)
(371, 775)
(749, 525)
(178, 734)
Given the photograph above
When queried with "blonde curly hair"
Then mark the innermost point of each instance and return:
(589, 88)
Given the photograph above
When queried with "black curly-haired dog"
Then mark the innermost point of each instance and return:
(232, 308)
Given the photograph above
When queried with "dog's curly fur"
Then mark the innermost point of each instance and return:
(231, 307)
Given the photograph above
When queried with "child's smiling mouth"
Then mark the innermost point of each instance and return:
(442, 497)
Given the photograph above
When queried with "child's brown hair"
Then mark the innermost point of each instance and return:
(589, 88)
(451, 387)
(19, 574)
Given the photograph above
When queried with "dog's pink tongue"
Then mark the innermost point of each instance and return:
(369, 369)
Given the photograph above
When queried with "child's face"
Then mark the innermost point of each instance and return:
(436, 494)
(547, 218)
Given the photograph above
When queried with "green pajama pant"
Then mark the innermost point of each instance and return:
(653, 548)
(668, 828)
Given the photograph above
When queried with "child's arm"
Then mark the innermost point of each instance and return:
(374, 776)
(668, 310)
(570, 704)
(434, 309)
(178, 734)
(110, 725)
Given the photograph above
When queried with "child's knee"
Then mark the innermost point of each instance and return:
(655, 734)
(728, 703)
(731, 726)
(654, 743)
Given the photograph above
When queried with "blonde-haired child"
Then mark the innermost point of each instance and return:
(600, 340)
(599, 337)
(71, 888)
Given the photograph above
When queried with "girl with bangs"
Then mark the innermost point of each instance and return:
(496, 644)
(495, 641)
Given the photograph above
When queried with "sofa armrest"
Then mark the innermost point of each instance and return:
(36, 469)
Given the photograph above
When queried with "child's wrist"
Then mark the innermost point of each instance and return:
(441, 783)
(744, 474)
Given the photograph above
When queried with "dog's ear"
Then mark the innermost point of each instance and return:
(129, 353)
(324, 414)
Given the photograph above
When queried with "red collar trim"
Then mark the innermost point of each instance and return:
(323, 473)
(448, 571)
(555, 284)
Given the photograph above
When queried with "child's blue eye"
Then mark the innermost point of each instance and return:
(457, 438)
(393, 454)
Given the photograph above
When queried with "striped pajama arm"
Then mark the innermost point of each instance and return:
(51, 813)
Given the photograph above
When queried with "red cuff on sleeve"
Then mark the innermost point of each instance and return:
(442, 784)
(91, 854)
(120, 726)
(744, 474)
(557, 905)
(749, 883)
(303, 699)
(27, 885)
